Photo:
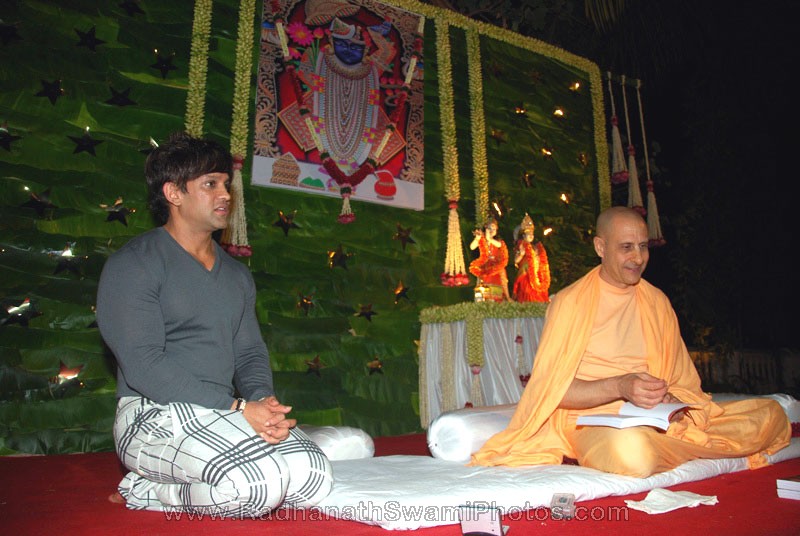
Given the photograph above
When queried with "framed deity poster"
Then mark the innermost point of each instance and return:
(339, 108)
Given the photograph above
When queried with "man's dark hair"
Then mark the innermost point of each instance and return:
(181, 159)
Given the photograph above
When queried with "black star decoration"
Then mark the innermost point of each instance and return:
(366, 312)
(20, 314)
(338, 257)
(51, 90)
(6, 138)
(120, 98)
(286, 222)
(40, 202)
(400, 292)
(314, 366)
(306, 303)
(118, 212)
(163, 64)
(8, 33)
(404, 236)
(131, 7)
(85, 143)
(68, 261)
(88, 39)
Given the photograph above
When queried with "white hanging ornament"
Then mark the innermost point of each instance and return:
(634, 190)
(654, 234)
(619, 171)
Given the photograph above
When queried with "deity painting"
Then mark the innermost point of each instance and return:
(339, 109)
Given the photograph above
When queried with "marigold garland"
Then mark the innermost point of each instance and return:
(198, 68)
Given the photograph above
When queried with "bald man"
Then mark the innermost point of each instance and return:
(611, 337)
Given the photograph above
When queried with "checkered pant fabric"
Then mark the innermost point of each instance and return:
(183, 457)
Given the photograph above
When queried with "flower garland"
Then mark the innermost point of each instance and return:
(480, 164)
(234, 238)
(455, 271)
(198, 68)
(347, 182)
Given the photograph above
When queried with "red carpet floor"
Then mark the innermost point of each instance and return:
(69, 495)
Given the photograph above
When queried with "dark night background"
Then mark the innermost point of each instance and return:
(717, 90)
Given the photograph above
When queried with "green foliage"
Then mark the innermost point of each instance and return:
(42, 413)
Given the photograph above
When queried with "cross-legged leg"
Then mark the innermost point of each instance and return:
(189, 458)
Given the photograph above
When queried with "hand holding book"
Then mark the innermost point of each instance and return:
(632, 415)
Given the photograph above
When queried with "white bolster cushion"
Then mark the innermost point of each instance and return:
(341, 442)
(455, 435)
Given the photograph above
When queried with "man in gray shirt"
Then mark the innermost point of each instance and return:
(179, 315)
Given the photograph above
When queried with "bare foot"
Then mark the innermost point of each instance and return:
(116, 498)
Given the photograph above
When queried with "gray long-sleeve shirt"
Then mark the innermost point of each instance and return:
(181, 333)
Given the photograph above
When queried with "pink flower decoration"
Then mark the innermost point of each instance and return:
(319, 33)
(300, 33)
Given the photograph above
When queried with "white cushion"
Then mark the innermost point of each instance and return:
(455, 435)
(341, 442)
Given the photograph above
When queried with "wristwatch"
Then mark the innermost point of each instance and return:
(241, 403)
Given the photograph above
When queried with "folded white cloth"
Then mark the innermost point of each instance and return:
(660, 500)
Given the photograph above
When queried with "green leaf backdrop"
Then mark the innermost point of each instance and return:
(41, 414)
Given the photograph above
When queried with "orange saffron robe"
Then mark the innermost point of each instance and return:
(541, 433)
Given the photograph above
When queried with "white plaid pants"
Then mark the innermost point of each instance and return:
(183, 457)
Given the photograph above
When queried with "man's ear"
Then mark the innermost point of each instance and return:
(172, 193)
(599, 246)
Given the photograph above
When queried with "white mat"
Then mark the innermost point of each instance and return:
(411, 492)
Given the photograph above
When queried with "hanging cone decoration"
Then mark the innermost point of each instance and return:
(455, 271)
(619, 172)
(634, 191)
(234, 238)
(656, 237)
(346, 215)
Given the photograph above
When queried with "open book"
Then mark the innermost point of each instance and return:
(630, 415)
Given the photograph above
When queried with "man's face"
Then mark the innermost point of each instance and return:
(205, 204)
(348, 52)
(624, 251)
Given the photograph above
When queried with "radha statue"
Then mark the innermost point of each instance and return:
(533, 270)
(490, 266)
